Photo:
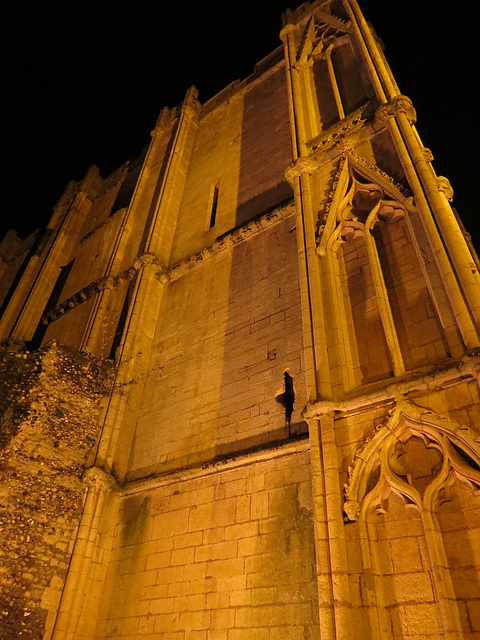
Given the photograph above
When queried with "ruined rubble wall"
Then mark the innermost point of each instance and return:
(49, 405)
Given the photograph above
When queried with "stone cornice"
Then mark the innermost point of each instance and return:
(381, 175)
(230, 239)
(215, 467)
(337, 133)
(141, 262)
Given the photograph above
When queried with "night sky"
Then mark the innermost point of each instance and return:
(85, 81)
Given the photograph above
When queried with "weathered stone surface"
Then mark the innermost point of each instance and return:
(50, 401)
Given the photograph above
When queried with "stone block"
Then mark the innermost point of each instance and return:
(405, 554)
(216, 551)
(223, 618)
(195, 620)
(225, 568)
(165, 526)
(182, 556)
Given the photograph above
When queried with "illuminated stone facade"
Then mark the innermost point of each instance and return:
(287, 242)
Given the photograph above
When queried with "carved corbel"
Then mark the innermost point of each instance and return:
(445, 187)
(427, 154)
(391, 210)
(298, 167)
(398, 104)
(147, 260)
(108, 282)
(352, 510)
(97, 478)
(287, 30)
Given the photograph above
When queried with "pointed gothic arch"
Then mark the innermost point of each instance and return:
(400, 327)
(417, 458)
(459, 446)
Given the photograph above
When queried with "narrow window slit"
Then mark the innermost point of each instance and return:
(213, 213)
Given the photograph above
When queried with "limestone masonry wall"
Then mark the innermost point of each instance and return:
(228, 330)
(227, 552)
(242, 147)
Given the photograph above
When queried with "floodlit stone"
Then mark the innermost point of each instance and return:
(240, 377)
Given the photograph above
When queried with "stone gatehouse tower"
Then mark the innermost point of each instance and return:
(288, 446)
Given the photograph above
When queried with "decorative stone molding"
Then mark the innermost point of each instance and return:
(150, 261)
(286, 31)
(380, 182)
(230, 239)
(144, 261)
(338, 132)
(215, 467)
(406, 193)
(317, 28)
(433, 378)
(405, 421)
(147, 260)
(386, 469)
(427, 154)
(323, 216)
(398, 104)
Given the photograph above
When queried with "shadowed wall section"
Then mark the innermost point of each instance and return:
(265, 147)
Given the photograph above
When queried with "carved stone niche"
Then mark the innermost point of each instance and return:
(414, 486)
(417, 455)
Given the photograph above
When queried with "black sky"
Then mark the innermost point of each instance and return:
(85, 81)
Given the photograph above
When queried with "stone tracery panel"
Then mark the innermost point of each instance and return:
(414, 491)
(386, 311)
